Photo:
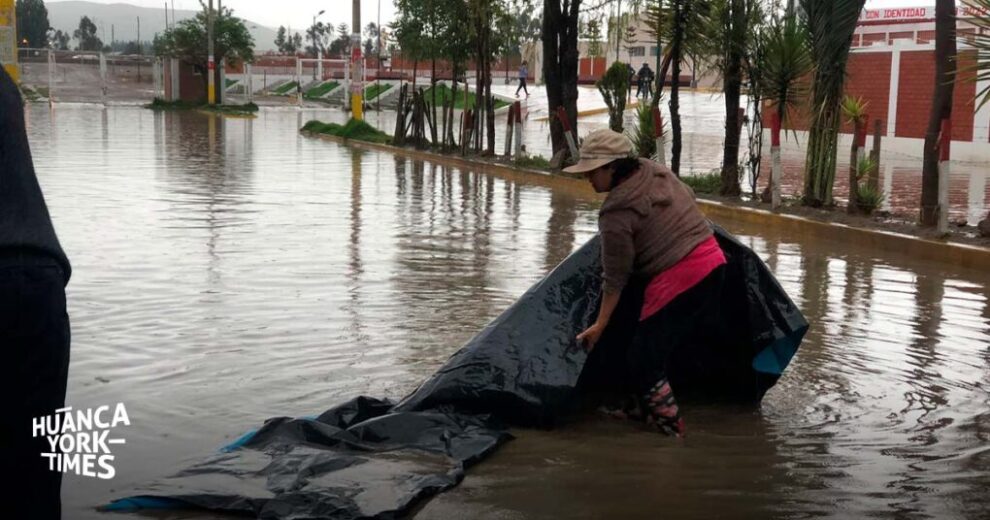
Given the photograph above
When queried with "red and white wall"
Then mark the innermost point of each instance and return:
(892, 67)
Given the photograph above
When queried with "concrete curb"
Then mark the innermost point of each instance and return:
(591, 111)
(961, 255)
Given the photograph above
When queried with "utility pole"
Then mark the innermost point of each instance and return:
(357, 86)
(211, 94)
(140, 47)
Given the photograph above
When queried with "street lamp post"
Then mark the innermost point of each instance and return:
(317, 51)
(211, 93)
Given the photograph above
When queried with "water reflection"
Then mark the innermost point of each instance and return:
(229, 270)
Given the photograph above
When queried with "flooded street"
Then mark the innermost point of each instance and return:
(230, 270)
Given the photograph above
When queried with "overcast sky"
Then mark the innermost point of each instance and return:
(299, 13)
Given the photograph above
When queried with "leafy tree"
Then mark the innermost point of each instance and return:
(292, 46)
(593, 32)
(187, 40)
(371, 45)
(280, 39)
(86, 36)
(32, 23)
(319, 36)
(60, 40)
(560, 63)
(614, 86)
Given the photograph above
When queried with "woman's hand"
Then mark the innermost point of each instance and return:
(591, 335)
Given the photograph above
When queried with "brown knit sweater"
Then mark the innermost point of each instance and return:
(648, 223)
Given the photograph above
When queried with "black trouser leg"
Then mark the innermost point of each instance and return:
(34, 337)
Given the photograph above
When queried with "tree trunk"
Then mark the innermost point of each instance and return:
(854, 170)
(433, 90)
(560, 64)
(733, 86)
(945, 66)
(675, 106)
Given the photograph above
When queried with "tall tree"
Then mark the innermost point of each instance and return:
(560, 63)
(941, 107)
(733, 24)
(830, 24)
(86, 36)
(187, 40)
(32, 23)
(280, 39)
(60, 40)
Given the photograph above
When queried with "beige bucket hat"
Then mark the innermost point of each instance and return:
(600, 148)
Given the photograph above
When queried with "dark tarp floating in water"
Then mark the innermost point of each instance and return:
(370, 458)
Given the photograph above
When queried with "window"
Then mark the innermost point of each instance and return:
(653, 50)
(637, 51)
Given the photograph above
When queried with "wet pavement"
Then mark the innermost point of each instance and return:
(231, 270)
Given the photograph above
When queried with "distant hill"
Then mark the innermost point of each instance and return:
(123, 19)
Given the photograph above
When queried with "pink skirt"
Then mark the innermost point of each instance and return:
(683, 275)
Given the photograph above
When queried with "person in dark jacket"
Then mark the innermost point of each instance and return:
(34, 326)
(644, 78)
(652, 229)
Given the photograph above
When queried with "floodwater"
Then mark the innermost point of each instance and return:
(231, 270)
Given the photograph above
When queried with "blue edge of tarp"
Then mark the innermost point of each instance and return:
(140, 502)
(771, 360)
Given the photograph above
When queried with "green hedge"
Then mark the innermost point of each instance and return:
(353, 129)
(321, 90)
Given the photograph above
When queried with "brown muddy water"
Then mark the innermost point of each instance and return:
(231, 270)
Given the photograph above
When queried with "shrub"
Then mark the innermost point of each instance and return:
(704, 183)
(868, 199)
(537, 162)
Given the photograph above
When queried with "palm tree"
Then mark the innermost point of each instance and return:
(941, 108)
(980, 41)
(783, 68)
(830, 25)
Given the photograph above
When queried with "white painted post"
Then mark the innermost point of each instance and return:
(299, 97)
(776, 170)
(103, 77)
(895, 78)
(943, 176)
(347, 86)
(222, 91)
(319, 65)
(981, 119)
(658, 132)
(517, 132)
(176, 84)
(51, 77)
(776, 167)
(156, 74)
(249, 81)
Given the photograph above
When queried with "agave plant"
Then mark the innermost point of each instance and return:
(830, 25)
(642, 135)
(854, 108)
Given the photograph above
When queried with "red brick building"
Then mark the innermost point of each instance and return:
(892, 66)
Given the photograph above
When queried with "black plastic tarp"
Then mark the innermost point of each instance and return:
(370, 458)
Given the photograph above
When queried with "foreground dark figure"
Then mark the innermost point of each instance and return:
(34, 326)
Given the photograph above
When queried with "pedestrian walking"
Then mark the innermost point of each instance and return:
(523, 74)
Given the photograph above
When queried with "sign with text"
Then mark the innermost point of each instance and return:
(903, 14)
